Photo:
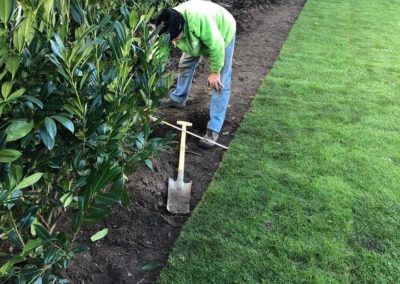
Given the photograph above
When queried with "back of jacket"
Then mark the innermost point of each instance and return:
(208, 29)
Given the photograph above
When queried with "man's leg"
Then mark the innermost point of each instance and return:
(187, 66)
(219, 100)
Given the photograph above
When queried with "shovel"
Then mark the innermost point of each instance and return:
(179, 191)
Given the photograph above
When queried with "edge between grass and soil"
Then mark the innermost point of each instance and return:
(308, 191)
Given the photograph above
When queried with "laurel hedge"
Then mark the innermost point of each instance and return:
(79, 81)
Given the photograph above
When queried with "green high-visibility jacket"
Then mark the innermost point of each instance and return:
(208, 30)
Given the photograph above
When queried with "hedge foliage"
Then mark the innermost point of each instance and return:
(79, 81)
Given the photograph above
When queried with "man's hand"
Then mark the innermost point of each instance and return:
(214, 81)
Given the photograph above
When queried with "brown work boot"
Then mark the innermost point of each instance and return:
(210, 135)
(169, 103)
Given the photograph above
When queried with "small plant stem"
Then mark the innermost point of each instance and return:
(44, 221)
(81, 108)
(56, 222)
(10, 217)
(75, 91)
(74, 237)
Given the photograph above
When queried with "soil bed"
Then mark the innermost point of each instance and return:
(142, 235)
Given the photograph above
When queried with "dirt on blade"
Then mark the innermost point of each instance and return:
(143, 234)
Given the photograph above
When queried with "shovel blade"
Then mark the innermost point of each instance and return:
(178, 198)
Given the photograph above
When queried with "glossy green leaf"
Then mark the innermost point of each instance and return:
(2, 74)
(9, 155)
(77, 221)
(66, 122)
(29, 105)
(28, 181)
(115, 49)
(149, 164)
(133, 19)
(96, 213)
(56, 49)
(76, 12)
(57, 45)
(51, 127)
(50, 87)
(120, 31)
(59, 66)
(16, 94)
(66, 199)
(27, 26)
(32, 275)
(13, 237)
(73, 107)
(80, 249)
(18, 36)
(124, 11)
(6, 8)
(42, 232)
(105, 176)
(18, 129)
(140, 141)
(4, 269)
(47, 139)
(84, 197)
(3, 48)
(150, 13)
(99, 235)
(51, 256)
(31, 245)
(151, 266)
(28, 217)
(32, 227)
(107, 198)
(34, 101)
(48, 5)
(12, 64)
(15, 196)
(64, 280)
(17, 172)
(6, 89)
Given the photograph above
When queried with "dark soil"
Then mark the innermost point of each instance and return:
(142, 235)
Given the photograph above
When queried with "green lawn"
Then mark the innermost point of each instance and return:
(309, 191)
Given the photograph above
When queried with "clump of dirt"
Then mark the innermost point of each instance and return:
(142, 235)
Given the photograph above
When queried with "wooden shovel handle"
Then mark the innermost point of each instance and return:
(181, 164)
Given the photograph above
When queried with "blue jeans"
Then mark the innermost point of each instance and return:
(219, 100)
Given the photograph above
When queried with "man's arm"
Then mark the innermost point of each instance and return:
(211, 37)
